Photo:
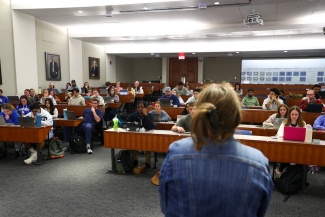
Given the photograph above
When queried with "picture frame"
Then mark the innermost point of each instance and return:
(53, 67)
(94, 68)
(0, 74)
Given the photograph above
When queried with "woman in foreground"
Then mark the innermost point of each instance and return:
(211, 173)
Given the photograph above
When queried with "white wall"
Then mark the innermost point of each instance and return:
(25, 51)
(200, 69)
(7, 56)
(222, 69)
(164, 70)
(91, 50)
(75, 57)
(111, 68)
(124, 69)
(146, 69)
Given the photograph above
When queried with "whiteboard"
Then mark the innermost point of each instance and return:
(283, 71)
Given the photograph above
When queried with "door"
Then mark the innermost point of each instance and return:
(180, 70)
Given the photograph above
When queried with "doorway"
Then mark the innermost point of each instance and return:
(180, 70)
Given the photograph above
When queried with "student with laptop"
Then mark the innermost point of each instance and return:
(181, 89)
(77, 99)
(238, 89)
(99, 97)
(282, 113)
(211, 173)
(110, 112)
(317, 88)
(272, 102)
(52, 87)
(163, 116)
(194, 98)
(73, 86)
(108, 85)
(131, 91)
(319, 123)
(181, 101)
(171, 96)
(23, 105)
(310, 99)
(146, 121)
(29, 97)
(45, 96)
(294, 119)
(34, 95)
(250, 99)
(91, 116)
(136, 87)
(118, 87)
(10, 115)
(3, 99)
(49, 107)
(46, 120)
(57, 99)
(184, 124)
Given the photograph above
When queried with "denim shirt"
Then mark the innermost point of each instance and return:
(228, 179)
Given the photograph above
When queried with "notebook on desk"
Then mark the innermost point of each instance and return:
(294, 133)
(108, 99)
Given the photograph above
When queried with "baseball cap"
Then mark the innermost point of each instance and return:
(168, 89)
(51, 84)
(73, 81)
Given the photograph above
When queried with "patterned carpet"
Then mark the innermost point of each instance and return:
(78, 185)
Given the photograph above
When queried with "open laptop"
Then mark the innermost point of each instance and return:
(179, 117)
(156, 118)
(108, 99)
(71, 115)
(133, 126)
(2, 120)
(123, 92)
(103, 91)
(165, 102)
(317, 108)
(26, 122)
(278, 122)
(294, 133)
(13, 99)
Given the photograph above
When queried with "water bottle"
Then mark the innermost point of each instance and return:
(39, 90)
(38, 119)
(115, 121)
(64, 115)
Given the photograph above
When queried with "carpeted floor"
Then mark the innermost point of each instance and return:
(78, 185)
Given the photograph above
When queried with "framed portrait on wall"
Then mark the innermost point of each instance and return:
(0, 74)
(53, 66)
(94, 68)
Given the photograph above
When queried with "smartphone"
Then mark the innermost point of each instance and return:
(274, 137)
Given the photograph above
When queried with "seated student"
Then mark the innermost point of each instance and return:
(200, 175)
(3, 99)
(172, 97)
(73, 86)
(194, 98)
(131, 91)
(68, 85)
(29, 97)
(49, 107)
(52, 87)
(185, 111)
(181, 89)
(110, 112)
(99, 97)
(163, 116)
(181, 101)
(319, 123)
(309, 99)
(34, 95)
(146, 121)
(67, 96)
(57, 99)
(250, 99)
(46, 120)
(294, 119)
(189, 89)
(23, 106)
(118, 87)
(85, 88)
(317, 88)
(184, 124)
(45, 96)
(90, 92)
(322, 91)
(282, 113)
(281, 96)
(272, 102)
(77, 99)
(238, 89)
(11, 116)
(91, 116)
(108, 85)
(136, 87)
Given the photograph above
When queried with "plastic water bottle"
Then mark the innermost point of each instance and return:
(115, 121)
(39, 90)
(64, 115)
(38, 119)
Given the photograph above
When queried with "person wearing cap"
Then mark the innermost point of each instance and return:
(51, 87)
(181, 89)
(73, 86)
(174, 99)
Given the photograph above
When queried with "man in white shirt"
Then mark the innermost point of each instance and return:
(272, 102)
(194, 98)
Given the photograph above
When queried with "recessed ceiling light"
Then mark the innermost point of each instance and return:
(145, 8)
(152, 54)
(80, 11)
(152, 38)
(289, 31)
(193, 53)
(237, 52)
(289, 36)
(229, 34)
(216, 3)
(285, 51)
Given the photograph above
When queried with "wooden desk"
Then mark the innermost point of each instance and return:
(78, 109)
(126, 98)
(114, 105)
(165, 125)
(139, 95)
(67, 123)
(171, 111)
(16, 133)
(61, 96)
(185, 97)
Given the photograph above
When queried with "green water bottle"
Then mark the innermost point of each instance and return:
(115, 120)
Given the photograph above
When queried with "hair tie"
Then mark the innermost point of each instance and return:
(214, 123)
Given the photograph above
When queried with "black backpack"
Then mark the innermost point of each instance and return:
(124, 158)
(77, 145)
(291, 180)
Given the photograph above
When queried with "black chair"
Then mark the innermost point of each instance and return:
(99, 131)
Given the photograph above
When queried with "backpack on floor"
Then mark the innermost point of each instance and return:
(56, 148)
(77, 145)
(3, 154)
(291, 180)
(123, 162)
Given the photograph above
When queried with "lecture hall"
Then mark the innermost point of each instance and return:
(162, 108)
